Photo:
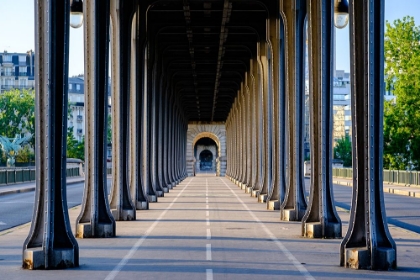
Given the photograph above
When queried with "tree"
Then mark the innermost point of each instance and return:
(342, 150)
(402, 115)
(17, 113)
(75, 149)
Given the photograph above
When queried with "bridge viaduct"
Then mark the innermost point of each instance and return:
(228, 71)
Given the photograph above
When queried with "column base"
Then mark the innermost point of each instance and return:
(273, 205)
(123, 215)
(152, 198)
(314, 230)
(254, 193)
(262, 198)
(244, 186)
(248, 190)
(84, 230)
(142, 205)
(359, 258)
(34, 258)
(291, 215)
(165, 189)
(240, 185)
(159, 193)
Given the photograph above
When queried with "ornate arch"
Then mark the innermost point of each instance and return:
(214, 131)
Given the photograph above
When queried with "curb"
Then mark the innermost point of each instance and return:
(386, 190)
(29, 189)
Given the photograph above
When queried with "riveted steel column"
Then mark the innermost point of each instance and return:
(368, 243)
(248, 130)
(121, 204)
(321, 219)
(228, 147)
(267, 93)
(50, 243)
(95, 218)
(273, 198)
(138, 192)
(294, 11)
(153, 112)
(260, 122)
(161, 126)
(254, 119)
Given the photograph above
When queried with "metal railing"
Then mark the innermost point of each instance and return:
(15, 176)
(402, 177)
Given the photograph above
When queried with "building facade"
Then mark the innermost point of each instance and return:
(17, 71)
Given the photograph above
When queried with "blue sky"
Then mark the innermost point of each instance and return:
(17, 30)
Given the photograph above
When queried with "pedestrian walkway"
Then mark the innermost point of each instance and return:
(412, 190)
(208, 228)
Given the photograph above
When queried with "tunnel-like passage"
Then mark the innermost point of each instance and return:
(228, 70)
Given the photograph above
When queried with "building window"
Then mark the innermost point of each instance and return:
(22, 71)
(22, 83)
(77, 87)
(22, 59)
(70, 86)
(7, 58)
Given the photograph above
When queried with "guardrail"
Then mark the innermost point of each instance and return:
(14, 176)
(402, 177)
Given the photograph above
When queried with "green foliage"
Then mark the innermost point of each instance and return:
(75, 149)
(109, 130)
(17, 113)
(25, 154)
(342, 150)
(402, 115)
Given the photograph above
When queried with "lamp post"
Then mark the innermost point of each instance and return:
(341, 13)
(76, 13)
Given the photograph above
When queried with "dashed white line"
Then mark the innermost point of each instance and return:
(208, 252)
(137, 245)
(207, 206)
(207, 213)
(285, 251)
(209, 274)
(208, 221)
(208, 234)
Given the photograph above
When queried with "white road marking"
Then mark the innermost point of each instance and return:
(207, 206)
(208, 234)
(208, 221)
(283, 248)
(209, 274)
(137, 245)
(207, 213)
(208, 252)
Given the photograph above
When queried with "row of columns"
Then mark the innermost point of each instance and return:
(265, 127)
(148, 125)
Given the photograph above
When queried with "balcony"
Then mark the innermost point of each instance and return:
(79, 118)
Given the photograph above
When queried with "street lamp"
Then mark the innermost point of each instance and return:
(76, 13)
(341, 13)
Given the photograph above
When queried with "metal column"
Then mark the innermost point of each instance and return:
(368, 243)
(294, 11)
(121, 204)
(95, 218)
(321, 219)
(50, 243)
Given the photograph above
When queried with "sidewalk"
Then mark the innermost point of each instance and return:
(208, 228)
(30, 186)
(413, 191)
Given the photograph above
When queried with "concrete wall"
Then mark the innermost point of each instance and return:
(214, 131)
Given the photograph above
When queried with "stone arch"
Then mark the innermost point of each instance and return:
(217, 133)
